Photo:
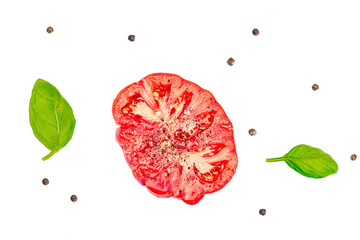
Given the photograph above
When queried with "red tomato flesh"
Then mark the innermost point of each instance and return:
(175, 136)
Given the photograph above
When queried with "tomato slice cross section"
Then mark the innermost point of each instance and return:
(175, 136)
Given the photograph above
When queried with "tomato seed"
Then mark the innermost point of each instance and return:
(255, 31)
(353, 157)
(73, 198)
(131, 38)
(315, 87)
(231, 61)
(252, 132)
(262, 212)
(45, 181)
(50, 29)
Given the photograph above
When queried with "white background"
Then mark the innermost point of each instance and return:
(89, 59)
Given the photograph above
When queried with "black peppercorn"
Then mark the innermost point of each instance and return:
(252, 132)
(315, 87)
(131, 38)
(255, 31)
(45, 181)
(262, 212)
(231, 61)
(50, 30)
(73, 198)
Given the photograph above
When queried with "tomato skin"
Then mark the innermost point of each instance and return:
(176, 138)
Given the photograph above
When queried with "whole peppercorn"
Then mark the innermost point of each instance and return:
(262, 212)
(45, 181)
(131, 38)
(255, 31)
(73, 198)
(252, 132)
(50, 29)
(315, 87)
(231, 61)
(353, 157)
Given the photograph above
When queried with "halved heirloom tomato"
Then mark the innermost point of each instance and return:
(175, 136)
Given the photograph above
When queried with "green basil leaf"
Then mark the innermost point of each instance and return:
(51, 117)
(309, 161)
